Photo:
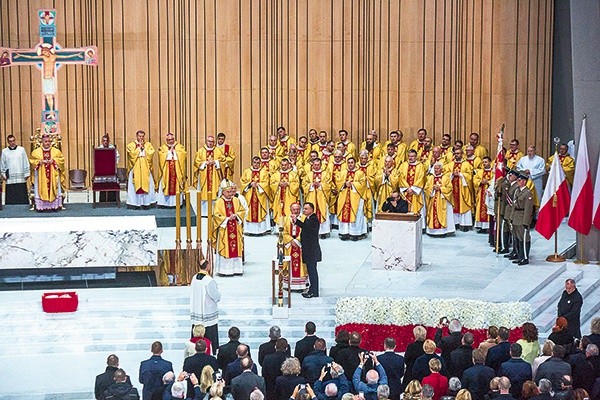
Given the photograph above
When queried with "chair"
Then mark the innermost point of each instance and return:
(122, 177)
(77, 178)
(105, 175)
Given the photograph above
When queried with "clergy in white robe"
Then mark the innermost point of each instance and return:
(535, 166)
(15, 171)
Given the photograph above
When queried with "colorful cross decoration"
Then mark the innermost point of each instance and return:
(48, 56)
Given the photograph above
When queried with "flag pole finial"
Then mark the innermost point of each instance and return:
(584, 116)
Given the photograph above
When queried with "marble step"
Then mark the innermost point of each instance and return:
(547, 280)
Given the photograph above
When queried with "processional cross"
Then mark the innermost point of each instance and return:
(48, 56)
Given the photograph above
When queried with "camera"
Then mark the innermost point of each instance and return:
(367, 354)
(218, 376)
(444, 321)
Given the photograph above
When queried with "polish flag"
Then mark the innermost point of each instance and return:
(555, 203)
(582, 199)
(596, 221)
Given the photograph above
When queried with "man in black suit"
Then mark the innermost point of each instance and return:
(476, 379)
(269, 347)
(311, 251)
(306, 345)
(499, 353)
(451, 342)
(516, 369)
(235, 368)
(245, 383)
(393, 364)
(106, 379)
(226, 352)
(349, 358)
(194, 364)
(271, 366)
(461, 358)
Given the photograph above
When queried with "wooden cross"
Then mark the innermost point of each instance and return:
(48, 56)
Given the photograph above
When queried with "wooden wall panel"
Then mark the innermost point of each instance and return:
(244, 67)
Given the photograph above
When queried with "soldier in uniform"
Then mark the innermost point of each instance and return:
(522, 217)
(509, 192)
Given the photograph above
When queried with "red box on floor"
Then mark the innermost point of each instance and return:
(56, 302)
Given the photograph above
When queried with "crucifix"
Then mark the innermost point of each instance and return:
(48, 56)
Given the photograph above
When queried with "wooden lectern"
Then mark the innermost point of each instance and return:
(105, 174)
(397, 242)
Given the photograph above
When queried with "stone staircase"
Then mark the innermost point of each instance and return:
(545, 295)
(126, 322)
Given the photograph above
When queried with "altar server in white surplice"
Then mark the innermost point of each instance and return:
(15, 171)
(535, 166)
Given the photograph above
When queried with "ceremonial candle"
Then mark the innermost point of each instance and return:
(198, 216)
(178, 217)
(188, 216)
(210, 216)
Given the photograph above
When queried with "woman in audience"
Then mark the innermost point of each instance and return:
(580, 394)
(491, 341)
(437, 381)
(198, 332)
(341, 342)
(546, 354)
(529, 342)
(463, 394)
(413, 351)
(454, 386)
(285, 384)
(412, 391)
(529, 390)
(206, 379)
(560, 334)
(216, 392)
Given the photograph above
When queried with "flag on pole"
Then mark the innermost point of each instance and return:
(555, 202)
(582, 199)
(596, 221)
(499, 170)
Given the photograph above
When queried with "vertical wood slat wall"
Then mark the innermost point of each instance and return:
(244, 67)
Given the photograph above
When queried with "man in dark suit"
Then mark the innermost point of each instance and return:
(311, 251)
(461, 358)
(194, 364)
(451, 342)
(315, 361)
(349, 358)
(106, 379)
(393, 364)
(516, 369)
(226, 352)
(499, 353)
(269, 347)
(477, 378)
(245, 383)
(306, 345)
(234, 368)
(271, 366)
(153, 369)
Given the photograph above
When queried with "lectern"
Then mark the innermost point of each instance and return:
(105, 174)
(397, 242)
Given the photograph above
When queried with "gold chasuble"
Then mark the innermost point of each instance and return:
(568, 164)
(256, 196)
(481, 182)
(319, 196)
(50, 177)
(207, 175)
(437, 200)
(172, 161)
(293, 249)
(369, 172)
(139, 160)
(350, 196)
(412, 176)
(513, 158)
(228, 233)
(462, 182)
(385, 184)
(285, 186)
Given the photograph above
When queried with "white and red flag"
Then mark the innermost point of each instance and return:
(582, 196)
(555, 202)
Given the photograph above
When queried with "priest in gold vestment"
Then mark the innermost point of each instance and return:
(461, 173)
(208, 172)
(352, 190)
(285, 186)
(255, 188)
(293, 249)
(317, 188)
(438, 194)
(48, 166)
(140, 185)
(228, 219)
(172, 176)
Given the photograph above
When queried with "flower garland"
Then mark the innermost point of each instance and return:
(378, 318)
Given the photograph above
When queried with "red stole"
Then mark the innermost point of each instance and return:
(47, 167)
(296, 251)
(437, 180)
(209, 171)
(232, 233)
(347, 207)
(410, 179)
(483, 215)
(254, 202)
(456, 184)
(172, 184)
(282, 191)
(317, 178)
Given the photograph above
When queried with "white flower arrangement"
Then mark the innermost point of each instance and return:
(473, 314)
